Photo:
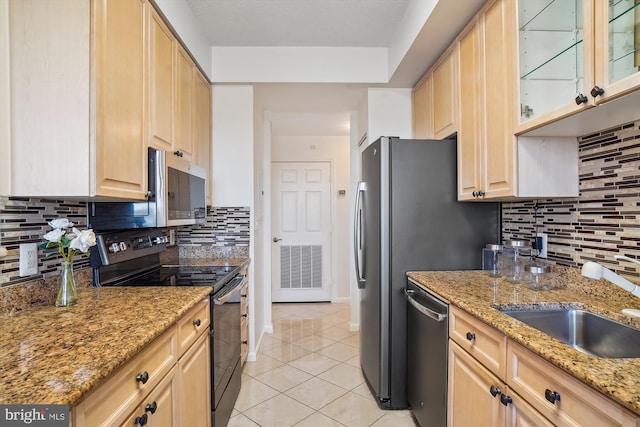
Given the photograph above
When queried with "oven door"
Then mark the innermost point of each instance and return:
(226, 338)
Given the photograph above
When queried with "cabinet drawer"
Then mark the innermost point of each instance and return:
(192, 324)
(483, 342)
(531, 377)
(121, 393)
(159, 408)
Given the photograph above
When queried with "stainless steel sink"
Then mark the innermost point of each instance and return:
(584, 331)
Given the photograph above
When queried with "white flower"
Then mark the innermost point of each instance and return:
(60, 223)
(83, 240)
(54, 235)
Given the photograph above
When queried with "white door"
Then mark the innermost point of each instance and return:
(301, 229)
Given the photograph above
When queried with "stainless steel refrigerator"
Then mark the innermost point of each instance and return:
(407, 217)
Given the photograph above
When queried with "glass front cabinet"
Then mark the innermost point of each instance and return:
(574, 55)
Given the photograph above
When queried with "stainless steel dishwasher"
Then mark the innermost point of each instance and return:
(427, 323)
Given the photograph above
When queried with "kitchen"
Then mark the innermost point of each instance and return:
(520, 222)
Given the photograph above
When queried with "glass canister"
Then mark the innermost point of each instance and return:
(515, 255)
(492, 259)
(538, 277)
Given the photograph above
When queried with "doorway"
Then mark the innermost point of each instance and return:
(301, 231)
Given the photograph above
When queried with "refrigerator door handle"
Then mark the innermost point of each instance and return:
(422, 309)
(357, 234)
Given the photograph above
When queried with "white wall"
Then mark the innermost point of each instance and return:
(300, 64)
(190, 31)
(389, 113)
(232, 151)
(336, 150)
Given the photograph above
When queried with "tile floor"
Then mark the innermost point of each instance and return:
(308, 375)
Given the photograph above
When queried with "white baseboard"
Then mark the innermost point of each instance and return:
(341, 300)
(252, 356)
(268, 329)
(354, 327)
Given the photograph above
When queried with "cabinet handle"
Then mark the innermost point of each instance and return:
(141, 420)
(148, 194)
(143, 377)
(244, 315)
(197, 323)
(494, 390)
(551, 396)
(245, 342)
(243, 295)
(471, 336)
(581, 99)
(478, 193)
(505, 399)
(151, 407)
(178, 153)
(597, 91)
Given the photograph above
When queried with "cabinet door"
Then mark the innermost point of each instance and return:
(445, 92)
(159, 408)
(471, 115)
(617, 31)
(470, 401)
(555, 60)
(499, 74)
(244, 323)
(161, 83)
(120, 78)
(521, 414)
(195, 386)
(202, 127)
(185, 105)
(422, 110)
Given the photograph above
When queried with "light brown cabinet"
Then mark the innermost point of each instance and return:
(202, 128)
(574, 55)
(77, 108)
(166, 384)
(162, 46)
(92, 84)
(495, 381)
(494, 164)
(435, 99)
(244, 322)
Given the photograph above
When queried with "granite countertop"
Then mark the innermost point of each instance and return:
(481, 295)
(54, 355)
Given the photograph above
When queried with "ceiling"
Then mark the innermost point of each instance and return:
(323, 109)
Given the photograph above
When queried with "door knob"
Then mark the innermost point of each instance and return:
(276, 240)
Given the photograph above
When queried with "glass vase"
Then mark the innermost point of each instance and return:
(68, 294)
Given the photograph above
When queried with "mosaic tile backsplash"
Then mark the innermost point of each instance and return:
(25, 220)
(604, 220)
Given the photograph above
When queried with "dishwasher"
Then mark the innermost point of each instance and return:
(427, 348)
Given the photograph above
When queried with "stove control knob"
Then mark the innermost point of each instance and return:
(123, 246)
(113, 248)
(160, 239)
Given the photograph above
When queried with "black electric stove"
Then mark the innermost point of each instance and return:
(132, 258)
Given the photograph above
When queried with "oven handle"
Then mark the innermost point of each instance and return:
(226, 297)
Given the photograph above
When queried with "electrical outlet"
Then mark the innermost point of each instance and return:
(541, 244)
(28, 259)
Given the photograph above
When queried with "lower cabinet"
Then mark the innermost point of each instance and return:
(532, 393)
(244, 322)
(163, 385)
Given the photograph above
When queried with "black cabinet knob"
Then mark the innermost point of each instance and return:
(597, 91)
(505, 399)
(151, 407)
(143, 377)
(244, 315)
(178, 153)
(197, 323)
(551, 396)
(245, 342)
(581, 99)
(494, 390)
(471, 336)
(141, 420)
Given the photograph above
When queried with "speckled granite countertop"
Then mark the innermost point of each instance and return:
(480, 295)
(54, 355)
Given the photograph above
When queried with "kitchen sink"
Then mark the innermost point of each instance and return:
(584, 331)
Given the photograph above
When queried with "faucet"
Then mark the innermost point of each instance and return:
(593, 270)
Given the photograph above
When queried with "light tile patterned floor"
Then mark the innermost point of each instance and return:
(308, 375)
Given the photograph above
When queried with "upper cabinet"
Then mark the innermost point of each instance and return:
(435, 99)
(574, 55)
(90, 85)
(494, 164)
(202, 127)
